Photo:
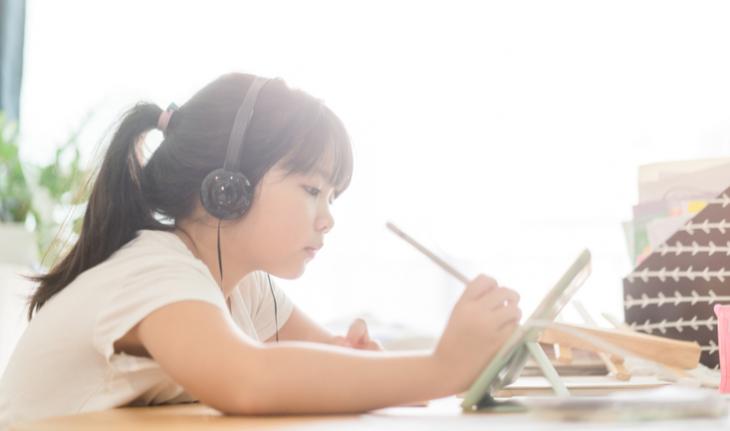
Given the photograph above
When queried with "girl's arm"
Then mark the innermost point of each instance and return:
(301, 327)
(199, 346)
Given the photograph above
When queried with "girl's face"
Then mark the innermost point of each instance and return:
(286, 224)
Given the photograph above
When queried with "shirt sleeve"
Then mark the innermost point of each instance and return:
(146, 292)
(256, 292)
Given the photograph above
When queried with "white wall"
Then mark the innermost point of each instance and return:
(505, 134)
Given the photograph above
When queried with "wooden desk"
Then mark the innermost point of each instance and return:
(440, 415)
(200, 417)
(180, 417)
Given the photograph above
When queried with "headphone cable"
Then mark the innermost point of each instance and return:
(276, 311)
(268, 276)
(218, 246)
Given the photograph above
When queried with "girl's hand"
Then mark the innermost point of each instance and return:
(358, 338)
(483, 318)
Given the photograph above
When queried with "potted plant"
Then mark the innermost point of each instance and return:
(39, 205)
(17, 243)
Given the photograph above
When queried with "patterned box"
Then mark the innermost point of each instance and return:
(673, 291)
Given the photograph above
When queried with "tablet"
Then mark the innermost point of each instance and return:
(507, 364)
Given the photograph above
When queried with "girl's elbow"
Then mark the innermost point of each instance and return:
(247, 403)
(251, 393)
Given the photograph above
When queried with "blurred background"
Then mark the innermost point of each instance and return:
(505, 136)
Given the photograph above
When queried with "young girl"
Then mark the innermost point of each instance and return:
(166, 297)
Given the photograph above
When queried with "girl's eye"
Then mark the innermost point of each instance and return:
(312, 190)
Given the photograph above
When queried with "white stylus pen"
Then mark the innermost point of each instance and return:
(440, 262)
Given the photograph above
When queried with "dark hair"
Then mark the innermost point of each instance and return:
(288, 126)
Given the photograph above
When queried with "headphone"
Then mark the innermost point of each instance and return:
(226, 193)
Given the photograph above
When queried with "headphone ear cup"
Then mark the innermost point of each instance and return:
(225, 194)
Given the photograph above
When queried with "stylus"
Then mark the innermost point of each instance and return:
(440, 262)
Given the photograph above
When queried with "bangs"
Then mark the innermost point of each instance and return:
(326, 147)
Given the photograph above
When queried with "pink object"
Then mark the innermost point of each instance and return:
(164, 120)
(723, 341)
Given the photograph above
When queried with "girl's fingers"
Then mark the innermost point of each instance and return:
(358, 333)
(508, 327)
(507, 316)
(374, 345)
(358, 337)
(501, 297)
(479, 287)
(339, 340)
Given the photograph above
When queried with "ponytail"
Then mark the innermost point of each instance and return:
(116, 208)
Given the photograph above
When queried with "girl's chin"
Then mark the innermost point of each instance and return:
(290, 273)
(291, 267)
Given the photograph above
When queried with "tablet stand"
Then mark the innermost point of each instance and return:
(680, 355)
(548, 370)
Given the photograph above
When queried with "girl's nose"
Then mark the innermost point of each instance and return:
(325, 221)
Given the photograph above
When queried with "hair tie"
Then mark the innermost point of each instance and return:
(165, 116)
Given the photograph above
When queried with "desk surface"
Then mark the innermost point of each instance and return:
(442, 414)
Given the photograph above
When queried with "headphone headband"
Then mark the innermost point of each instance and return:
(240, 124)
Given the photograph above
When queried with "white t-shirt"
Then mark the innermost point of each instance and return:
(65, 362)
